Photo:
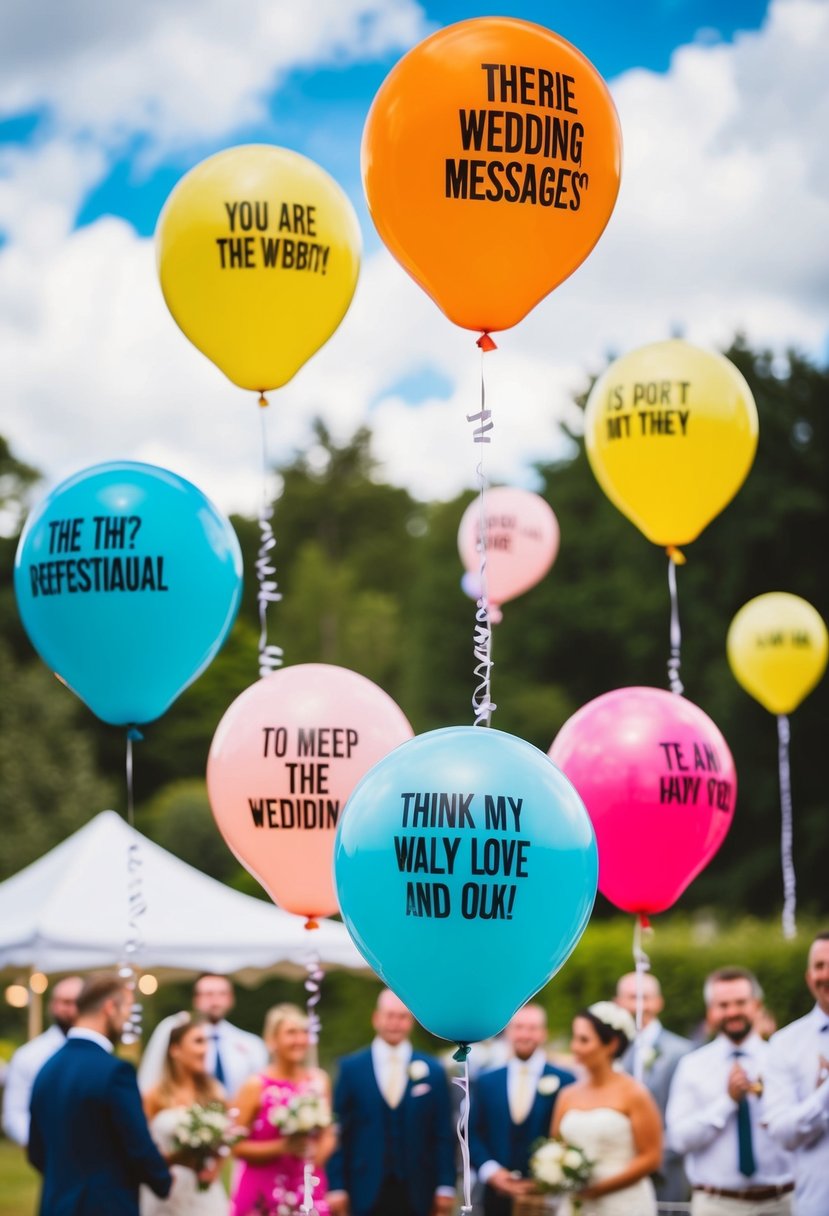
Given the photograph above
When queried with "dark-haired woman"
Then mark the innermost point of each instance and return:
(610, 1117)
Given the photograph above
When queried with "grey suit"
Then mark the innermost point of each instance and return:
(669, 1048)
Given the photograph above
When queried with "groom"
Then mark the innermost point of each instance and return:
(396, 1150)
(511, 1108)
(88, 1135)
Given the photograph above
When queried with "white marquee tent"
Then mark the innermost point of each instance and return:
(68, 911)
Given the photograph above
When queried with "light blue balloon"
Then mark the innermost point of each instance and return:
(128, 580)
(466, 870)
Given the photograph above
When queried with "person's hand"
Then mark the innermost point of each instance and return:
(338, 1203)
(738, 1083)
(209, 1171)
(297, 1145)
(507, 1184)
(443, 1205)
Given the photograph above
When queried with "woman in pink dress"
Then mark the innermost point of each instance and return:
(287, 1110)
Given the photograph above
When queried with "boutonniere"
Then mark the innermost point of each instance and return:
(548, 1084)
(418, 1069)
(649, 1057)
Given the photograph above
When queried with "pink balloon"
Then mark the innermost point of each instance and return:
(283, 761)
(659, 784)
(522, 538)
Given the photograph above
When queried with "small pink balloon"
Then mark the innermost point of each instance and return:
(283, 761)
(522, 538)
(659, 784)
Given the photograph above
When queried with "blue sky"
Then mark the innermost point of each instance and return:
(103, 106)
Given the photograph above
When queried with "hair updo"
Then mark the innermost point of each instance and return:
(610, 1021)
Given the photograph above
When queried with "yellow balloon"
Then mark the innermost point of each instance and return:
(777, 648)
(671, 432)
(258, 253)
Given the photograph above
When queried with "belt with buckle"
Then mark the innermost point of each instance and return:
(750, 1193)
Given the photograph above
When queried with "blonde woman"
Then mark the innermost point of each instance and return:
(610, 1117)
(185, 1082)
(287, 1109)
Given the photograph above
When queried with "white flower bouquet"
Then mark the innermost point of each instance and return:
(203, 1133)
(558, 1167)
(302, 1115)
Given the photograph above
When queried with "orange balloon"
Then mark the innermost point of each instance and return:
(491, 158)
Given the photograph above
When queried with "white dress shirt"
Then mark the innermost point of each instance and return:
(797, 1106)
(242, 1054)
(535, 1067)
(701, 1118)
(24, 1066)
(382, 1055)
(92, 1036)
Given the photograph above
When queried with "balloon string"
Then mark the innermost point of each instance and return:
(313, 986)
(309, 1181)
(642, 965)
(136, 901)
(270, 655)
(786, 830)
(462, 1083)
(482, 702)
(674, 558)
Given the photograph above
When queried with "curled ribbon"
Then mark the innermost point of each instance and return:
(136, 901)
(786, 831)
(270, 656)
(675, 558)
(482, 702)
(462, 1083)
(313, 986)
(642, 965)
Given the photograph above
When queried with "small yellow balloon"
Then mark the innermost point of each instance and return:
(258, 254)
(671, 432)
(777, 648)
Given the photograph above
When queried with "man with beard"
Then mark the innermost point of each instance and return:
(88, 1135)
(716, 1109)
(797, 1089)
(28, 1060)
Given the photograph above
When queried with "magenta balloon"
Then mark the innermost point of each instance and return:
(522, 540)
(659, 784)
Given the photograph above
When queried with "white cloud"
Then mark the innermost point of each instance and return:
(720, 226)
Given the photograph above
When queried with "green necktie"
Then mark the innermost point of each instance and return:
(745, 1146)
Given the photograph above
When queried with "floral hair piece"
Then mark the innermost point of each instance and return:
(613, 1015)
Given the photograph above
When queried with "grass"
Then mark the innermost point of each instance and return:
(19, 1183)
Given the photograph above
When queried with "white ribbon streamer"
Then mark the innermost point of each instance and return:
(676, 634)
(271, 656)
(313, 986)
(309, 1181)
(462, 1083)
(482, 702)
(786, 829)
(643, 965)
(136, 904)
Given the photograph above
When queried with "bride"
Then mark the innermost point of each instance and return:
(610, 1117)
(184, 1082)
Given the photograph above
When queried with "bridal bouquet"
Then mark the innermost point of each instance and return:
(203, 1133)
(302, 1115)
(558, 1167)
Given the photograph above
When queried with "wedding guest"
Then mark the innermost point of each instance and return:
(88, 1135)
(717, 1108)
(396, 1153)
(233, 1054)
(797, 1089)
(28, 1060)
(511, 1108)
(185, 1083)
(287, 1109)
(658, 1051)
(610, 1117)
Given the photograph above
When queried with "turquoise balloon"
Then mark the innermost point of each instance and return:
(127, 580)
(466, 869)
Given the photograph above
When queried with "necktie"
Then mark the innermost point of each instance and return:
(745, 1145)
(522, 1095)
(394, 1081)
(218, 1071)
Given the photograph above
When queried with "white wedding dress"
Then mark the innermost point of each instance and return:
(605, 1135)
(185, 1199)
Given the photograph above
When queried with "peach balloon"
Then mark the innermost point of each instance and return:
(522, 538)
(283, 762)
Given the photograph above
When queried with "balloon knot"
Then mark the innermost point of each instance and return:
(676, 555)
(263, 401)
(134, 734)
(311, 923)
(462, 1052)
(486, 343)
(644, 921)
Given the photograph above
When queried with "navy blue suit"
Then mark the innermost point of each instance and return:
(89, 1137)
(412, 1144)
(494, 1137)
